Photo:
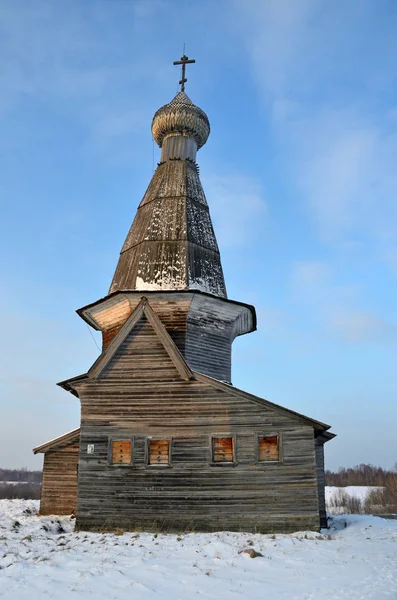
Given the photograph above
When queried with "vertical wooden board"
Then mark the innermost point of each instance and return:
(194, 189)
(155, 253)
(159, 452)
(199, 227)
(204, 270)
(222, 449)
(319, 449)
(159, 265)
(268, 448)
(121, 452)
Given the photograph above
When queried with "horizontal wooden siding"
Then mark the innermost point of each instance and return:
(59, 486)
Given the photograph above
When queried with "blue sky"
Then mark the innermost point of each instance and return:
(299, 172)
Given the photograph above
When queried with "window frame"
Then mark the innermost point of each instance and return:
(219, 463)
(280, 448)
(151, 438)
(110, 451)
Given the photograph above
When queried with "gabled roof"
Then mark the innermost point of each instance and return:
(181, 365)
(62, 440)
(143, 309)
(227, 387)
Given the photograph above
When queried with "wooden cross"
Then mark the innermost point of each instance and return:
(184, 61)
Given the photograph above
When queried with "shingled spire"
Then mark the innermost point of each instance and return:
(171, 244)
(171, 256)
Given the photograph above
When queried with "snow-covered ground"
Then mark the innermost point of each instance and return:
(353, 497)
(41, 557)
(361, 492)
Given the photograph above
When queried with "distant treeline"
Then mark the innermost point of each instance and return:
(380, 500)
(20, 475)
(360, 475)
(20, 483)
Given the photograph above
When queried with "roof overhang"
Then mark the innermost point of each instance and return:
(124, 301)
(325, 436)
(59, 442)
(67, 384)
(319, 427)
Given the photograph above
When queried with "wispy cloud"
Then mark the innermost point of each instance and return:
(336, 308)
(345, 173)
(309, 275)
(363, 327)
(63, 62)
(327, 84)
(238, 207)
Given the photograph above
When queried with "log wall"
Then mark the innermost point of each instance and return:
(141, 395)
(203, 336)
(59, 485)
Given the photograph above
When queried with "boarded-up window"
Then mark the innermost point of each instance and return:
(268, 447)
(222, 449)
(121, 452)
(159, 452)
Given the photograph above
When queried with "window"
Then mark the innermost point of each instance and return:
(268, 448)
(223, 449)
(121, 452)
(159, 452)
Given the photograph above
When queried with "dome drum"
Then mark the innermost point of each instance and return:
(178, 146)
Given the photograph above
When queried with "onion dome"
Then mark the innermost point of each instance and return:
(181, 116)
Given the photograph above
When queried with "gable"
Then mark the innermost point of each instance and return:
(142, 344)
(141, 355)
(143, 351)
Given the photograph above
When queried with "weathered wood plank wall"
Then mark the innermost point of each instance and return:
(321, 481)
(203, 338)
(59, 485)
(141, 394)
(173, 315)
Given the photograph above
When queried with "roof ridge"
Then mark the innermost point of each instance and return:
(235, 390)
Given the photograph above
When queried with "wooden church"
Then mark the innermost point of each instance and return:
(165, 439)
